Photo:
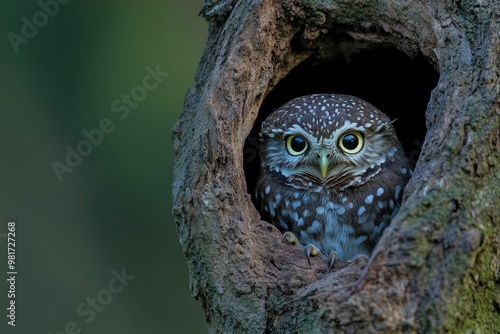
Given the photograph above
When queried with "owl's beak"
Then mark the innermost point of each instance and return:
(324, 162)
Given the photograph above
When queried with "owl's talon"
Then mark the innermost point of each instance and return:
(332, 257)
(311, 250)
(290, 238)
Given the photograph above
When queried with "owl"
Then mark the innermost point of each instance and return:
(332, 174)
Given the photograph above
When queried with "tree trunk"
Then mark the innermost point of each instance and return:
(437, 267)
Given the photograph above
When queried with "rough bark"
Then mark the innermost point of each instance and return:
(437, 266)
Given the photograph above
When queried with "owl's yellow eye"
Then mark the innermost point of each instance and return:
(351, 142)
(296, 145)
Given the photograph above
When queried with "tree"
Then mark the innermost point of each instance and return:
(437, 267)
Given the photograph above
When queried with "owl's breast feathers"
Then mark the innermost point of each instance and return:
(348, 221)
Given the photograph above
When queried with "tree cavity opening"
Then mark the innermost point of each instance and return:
(396, 84)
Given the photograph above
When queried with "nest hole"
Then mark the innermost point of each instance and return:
(396, 84)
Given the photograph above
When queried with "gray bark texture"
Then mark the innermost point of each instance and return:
(437, 267)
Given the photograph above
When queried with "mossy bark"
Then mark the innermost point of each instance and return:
(437, 267)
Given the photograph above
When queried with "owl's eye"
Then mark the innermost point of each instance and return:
(296, 145)
(351, 142)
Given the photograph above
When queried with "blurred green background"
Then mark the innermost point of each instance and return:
(113, 210)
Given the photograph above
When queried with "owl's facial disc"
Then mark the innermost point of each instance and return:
(327, 141)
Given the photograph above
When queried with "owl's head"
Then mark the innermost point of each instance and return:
(327, 141)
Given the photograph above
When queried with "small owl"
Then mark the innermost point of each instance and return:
(332, 174)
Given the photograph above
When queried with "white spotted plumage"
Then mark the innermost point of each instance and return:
(336, 198)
